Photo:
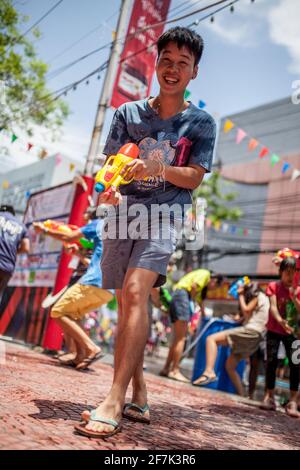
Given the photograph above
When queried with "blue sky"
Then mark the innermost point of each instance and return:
(251, 57)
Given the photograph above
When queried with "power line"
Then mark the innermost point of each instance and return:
(38, 21)
(138, 31)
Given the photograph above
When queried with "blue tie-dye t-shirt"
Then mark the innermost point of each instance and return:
(186, 138)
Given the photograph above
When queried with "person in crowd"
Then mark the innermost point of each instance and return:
(282, 327)
(84, 296)
(191, 288)
(13, 241)
(243, 340)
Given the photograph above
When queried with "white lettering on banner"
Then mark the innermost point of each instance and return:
(296, 354)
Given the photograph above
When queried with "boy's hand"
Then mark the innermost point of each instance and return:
(112, 197)
(140, 169)
(286, 326)
(38, 227)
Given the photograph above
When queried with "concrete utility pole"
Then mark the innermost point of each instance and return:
(105, 96)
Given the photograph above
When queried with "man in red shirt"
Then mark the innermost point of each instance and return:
(282, 326)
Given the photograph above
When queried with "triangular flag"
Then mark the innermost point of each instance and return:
(58, 160)
(264, 151)
(233, 229)
(43, 154)
(240, 135)
(13, 138)
(253, 143)
(240, 231)
(5, 184)
(201, 104)
(208, 223)
(29, 146)
(285, 167)
(274, 159)
(246, 231)
(228, 125)
(295, 175)
(187, 94)
(72, 166)
(217, 225)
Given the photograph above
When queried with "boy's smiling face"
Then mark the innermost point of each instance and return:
(175, 68)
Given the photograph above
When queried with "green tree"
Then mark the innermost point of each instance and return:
(218, 209)
(25, 99)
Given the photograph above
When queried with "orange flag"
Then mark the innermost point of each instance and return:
(253, 143)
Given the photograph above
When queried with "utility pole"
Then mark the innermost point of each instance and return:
(53, 334)
(105, 96)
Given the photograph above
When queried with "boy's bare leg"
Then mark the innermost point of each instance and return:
(180, 330)
(212, 343)
(131, 341)
(86, 346)
(231, 365)
(139, 392)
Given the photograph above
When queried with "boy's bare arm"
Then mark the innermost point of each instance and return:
(275, 313)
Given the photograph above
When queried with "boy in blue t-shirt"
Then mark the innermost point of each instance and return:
(176, 142)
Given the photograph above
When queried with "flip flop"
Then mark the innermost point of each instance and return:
(208, 380)
(139, 409)
(81, 428)
(89, 360)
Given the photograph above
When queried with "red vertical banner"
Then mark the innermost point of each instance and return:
(135, 72)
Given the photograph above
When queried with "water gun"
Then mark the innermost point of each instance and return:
(109, 175)
(233, 290)
(68, 228)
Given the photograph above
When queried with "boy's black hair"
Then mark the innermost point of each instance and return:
(182, 37)
(92, 212)
(287, 263)
(218, 277)
(7, 208)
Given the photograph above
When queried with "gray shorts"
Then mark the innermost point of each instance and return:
(121, 254)
(180, 307)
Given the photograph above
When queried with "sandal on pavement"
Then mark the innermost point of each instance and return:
(85, 363)
(81, 428)
(207, 380)
(136, 413)
(268, 405)
(178, 376)
(291, 409)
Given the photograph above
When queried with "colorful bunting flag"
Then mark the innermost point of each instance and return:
(228, 125)
(253, 143)
(29, 146)
(187, 94)
(58, 160)
(264, 151)
(246, 231)
(43, 154)
(217, 225)
(5, 184)
(274, 159)
(13, 138)
(202, 104)
(285, 167)
(240, 135)
(208, 223)
(72, 166)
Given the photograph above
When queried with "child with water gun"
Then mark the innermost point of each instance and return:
(282, 327)
(62, 231)
(233, 290)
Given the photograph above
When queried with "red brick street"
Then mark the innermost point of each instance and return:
(41, 401)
